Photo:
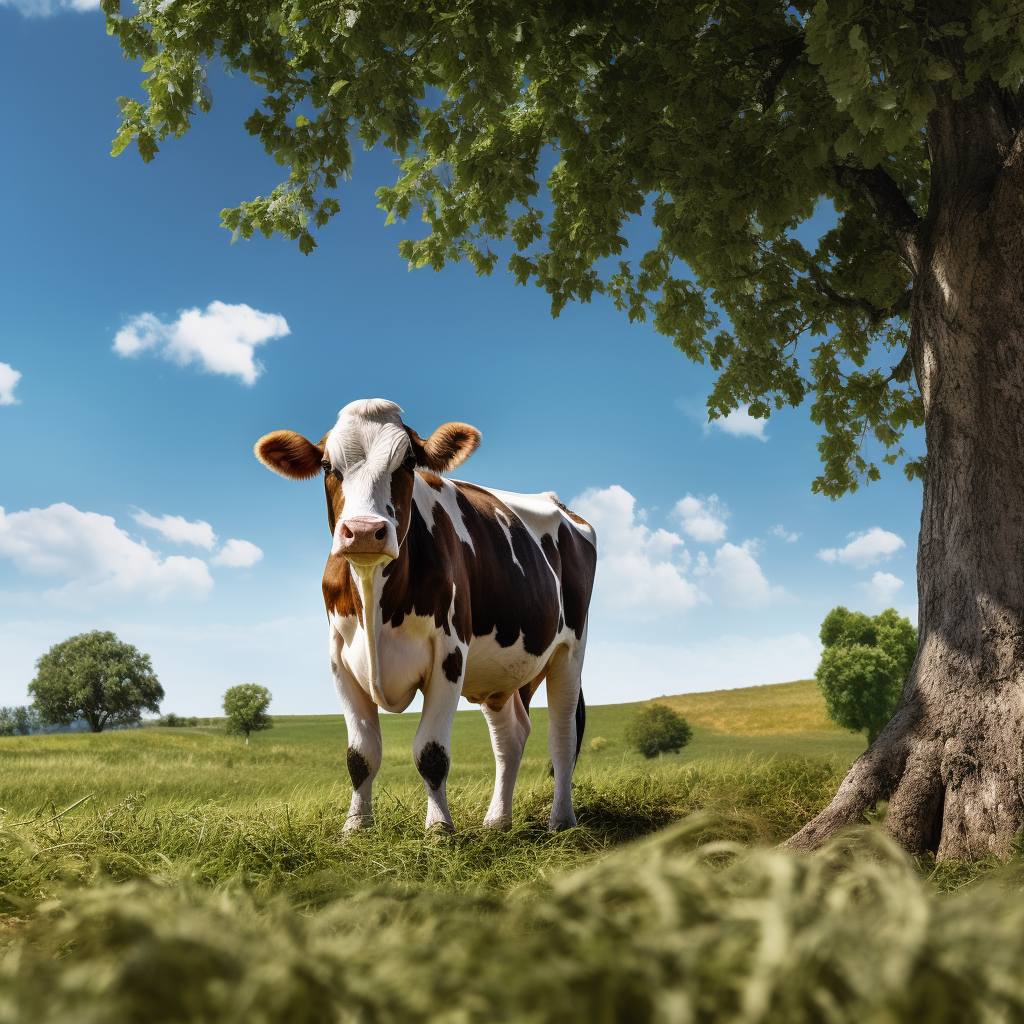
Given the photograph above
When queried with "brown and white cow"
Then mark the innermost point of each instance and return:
(472, 592)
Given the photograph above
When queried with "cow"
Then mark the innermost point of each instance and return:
(448, 588)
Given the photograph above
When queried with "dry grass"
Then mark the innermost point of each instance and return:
(783, 708)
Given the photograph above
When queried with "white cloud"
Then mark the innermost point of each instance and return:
(882, 588)
(178, 529)
(781, 531)
(46, 8)
(9, 378)
(739, 423)
(237, 554)
(222, 339)
(640, 571)
(735, 578)
(702, 519)
(615, 671)
(99, 560)
(865, 548)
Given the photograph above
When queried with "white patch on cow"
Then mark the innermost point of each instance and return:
(491, 668)
(404, 657)
(539, 513)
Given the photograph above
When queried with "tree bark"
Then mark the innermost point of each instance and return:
(951, 761)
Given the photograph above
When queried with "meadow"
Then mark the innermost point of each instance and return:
(203, 880)
(197, 803)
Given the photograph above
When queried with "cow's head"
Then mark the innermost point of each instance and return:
(368, 460)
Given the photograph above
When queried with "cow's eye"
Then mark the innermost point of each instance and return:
(410, 462)
(326, 463)
(390, 511)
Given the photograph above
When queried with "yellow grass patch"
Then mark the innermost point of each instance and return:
(757, 710)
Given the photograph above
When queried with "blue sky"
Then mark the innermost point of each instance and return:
(131, 497)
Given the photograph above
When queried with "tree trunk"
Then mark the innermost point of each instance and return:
(951, 761)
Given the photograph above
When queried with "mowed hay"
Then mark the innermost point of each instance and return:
(659, 932)
(757, 710)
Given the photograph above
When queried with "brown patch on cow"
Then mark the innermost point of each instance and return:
(550, 549)
(432, 480)
(289, 454)
(447, 447)
(335, 499)
(421, 579)
(433, 764)
(506, 600)
(341, 595)
(579, 562)
(452, 665)
(402, 481)
(358, 769)
(572, 515)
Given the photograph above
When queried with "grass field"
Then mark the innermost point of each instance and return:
(197, 803)
(303, 757)
(205, 881)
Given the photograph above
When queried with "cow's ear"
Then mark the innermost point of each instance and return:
(447, 447)
(289, 454)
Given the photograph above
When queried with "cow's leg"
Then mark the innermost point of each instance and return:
(431, 746)
(364, 739)
(509, 728)
(564, 671)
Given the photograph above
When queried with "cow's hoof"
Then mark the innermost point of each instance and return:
(500, 822)
(439, 828)
(357, 822)
(561, 824)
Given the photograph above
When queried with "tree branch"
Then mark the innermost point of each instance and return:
(902, 370)
(781, 63)
(874, 314)
(895, 216)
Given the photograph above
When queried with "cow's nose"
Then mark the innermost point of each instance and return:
(363, 535)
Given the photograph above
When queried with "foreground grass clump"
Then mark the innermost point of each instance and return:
(298, 847)
(661, 931)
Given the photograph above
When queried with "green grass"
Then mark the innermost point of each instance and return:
(196, 803)
(207, 881)
(303, 758)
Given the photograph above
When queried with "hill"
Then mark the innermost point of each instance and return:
(757, 710)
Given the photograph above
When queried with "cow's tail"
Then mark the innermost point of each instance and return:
(526, 694)
(581, 724)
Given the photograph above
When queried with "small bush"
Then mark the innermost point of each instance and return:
(656, 729)
(598, 743)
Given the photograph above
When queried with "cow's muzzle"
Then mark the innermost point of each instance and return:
(364, 541)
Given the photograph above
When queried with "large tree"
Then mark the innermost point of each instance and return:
(97, 677)
(726, 125)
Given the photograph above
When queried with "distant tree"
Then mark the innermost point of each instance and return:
(246, 707)
(656, 729)
(863, 667)
(96, 677)
(18, 721)
(173, 721)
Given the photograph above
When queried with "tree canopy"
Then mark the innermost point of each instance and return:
(726, 125)
(97, 677)
(246, 707)
(863, 667)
